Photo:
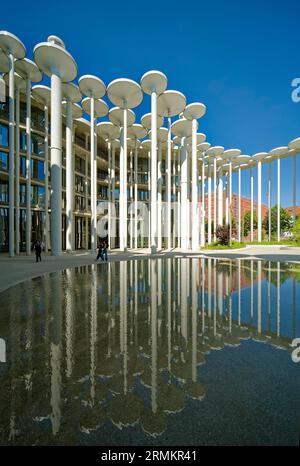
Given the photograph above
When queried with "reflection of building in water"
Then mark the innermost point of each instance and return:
(88, 339)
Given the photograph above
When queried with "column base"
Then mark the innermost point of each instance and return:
(153, 249)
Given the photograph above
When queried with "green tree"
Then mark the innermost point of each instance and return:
(247, 222)
(285, 220)
(296, 230)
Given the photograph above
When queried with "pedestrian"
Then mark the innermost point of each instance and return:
(100, 251)
(105, 248)
(38, 251)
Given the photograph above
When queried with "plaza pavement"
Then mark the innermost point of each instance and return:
(22, 267)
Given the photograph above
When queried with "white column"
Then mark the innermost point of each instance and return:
(240, 204)
(125, 223)
(251, 204)
(227, 200)
(159, 196)
(17, 178)
(94, 235)
(183, 194)
(203, 203)
(278, 199)
(46, 172)
(259, 200)
(294, 188)
(230, 200)
(113, 187)
(169, 178)
(215, 197)
(56, 226)
(131, 198)
(209, 202)
(220, 197)
(153, 214)
(11, 222)
(69, 177)
(86, 191)
(135, 195)
(149, 199)
(179, 198)
(269, 200)
(28, 167)
(195, 231)
(123, 185)
(109, 190)
(173, 244)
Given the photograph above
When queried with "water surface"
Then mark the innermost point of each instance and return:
(165, 351)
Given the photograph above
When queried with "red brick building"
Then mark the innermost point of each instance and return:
(245, 206)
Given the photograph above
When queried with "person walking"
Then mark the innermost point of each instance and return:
(38, 251)
(105, 248)
(100, 251)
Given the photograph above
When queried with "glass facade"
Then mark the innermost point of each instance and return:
(82, 179)
(4, 197)
(3, 229)
(4, 135)
(3, 161)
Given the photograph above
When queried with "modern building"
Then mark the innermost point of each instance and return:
(68, 177)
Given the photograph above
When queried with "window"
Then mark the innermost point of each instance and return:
(80, 141)
(23, 144)
(23, 166)
(102, 174)
(37, 118)
(79, 184)
(79, 203)
(37, 145)
(3, 135)
(37, 170)
(79, 164)
(4, 108)
(38, 196)
(22, 193)
(4, 192)
(102, 193)
(3, 229)
(4, 161)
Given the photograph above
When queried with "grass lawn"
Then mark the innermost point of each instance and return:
(287, 242)
(236, 245)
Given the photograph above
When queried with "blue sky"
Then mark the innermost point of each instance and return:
(239, 58)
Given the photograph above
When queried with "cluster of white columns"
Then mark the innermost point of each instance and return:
(201, 168)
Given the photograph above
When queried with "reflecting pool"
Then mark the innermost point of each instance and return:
(178, 351)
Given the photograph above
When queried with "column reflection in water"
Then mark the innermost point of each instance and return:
(239, 292)
(251, 290)
(183, 297)
(56, 355)
(259, 297)
(93, 333)
(209, 286)
(69, 296)
(169, 311)
(278, 299)
(203, 295)
(269, 294)
(194, 317)
(220, 290)
(215, 296)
